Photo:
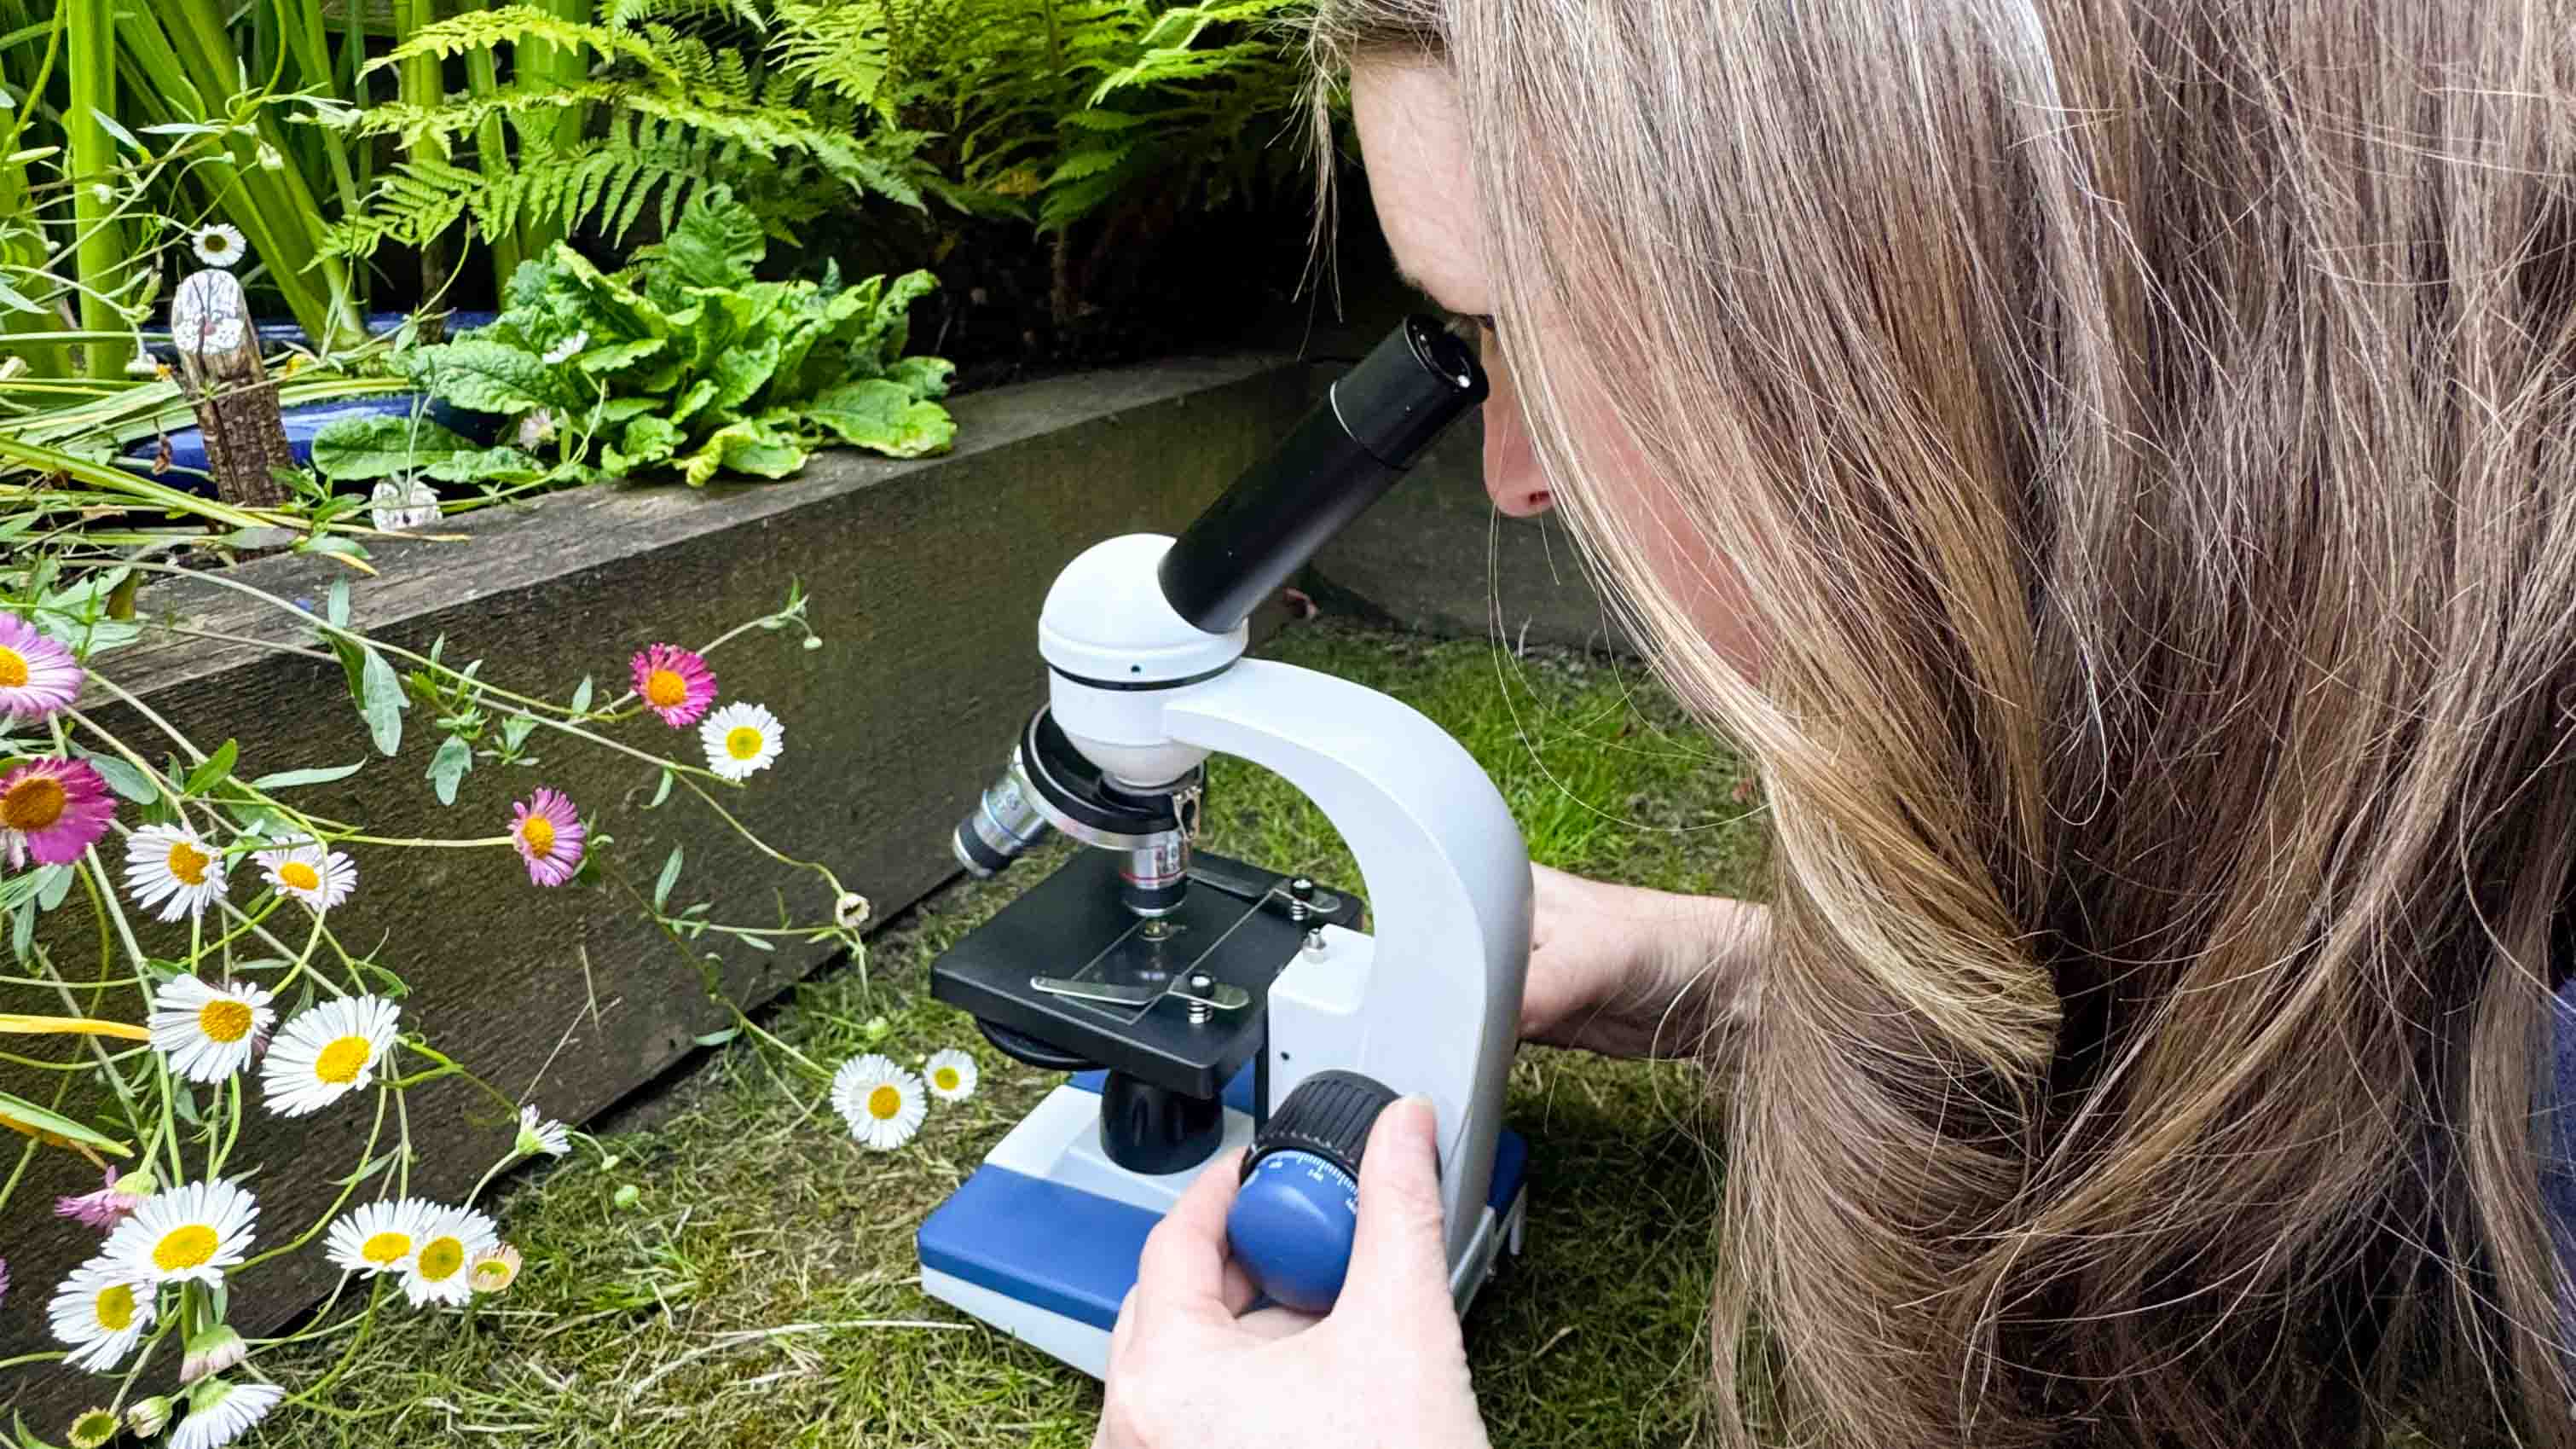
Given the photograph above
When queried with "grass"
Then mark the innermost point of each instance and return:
(760, 1291)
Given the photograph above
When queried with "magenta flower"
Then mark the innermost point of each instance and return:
(4, 1279)
(37, 675)
(52, 810)
(675, 684)
(549, 836)
(102, 1209)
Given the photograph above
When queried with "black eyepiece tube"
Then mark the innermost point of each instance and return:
(1372, 424)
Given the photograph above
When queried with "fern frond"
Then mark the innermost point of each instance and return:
(517, 25)
(631, 14)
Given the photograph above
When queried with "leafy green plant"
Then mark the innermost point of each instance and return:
(682, 362)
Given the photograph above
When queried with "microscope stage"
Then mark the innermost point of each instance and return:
(1232, 925)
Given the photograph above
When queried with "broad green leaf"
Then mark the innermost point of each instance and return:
(486, 376)
(215, 768)
(884, 416)
(749, 446)
(447, 768)
(741, 373)
(321, 775)
(53, 882)
(358, 449)
(717, 243)
(135, 785)
(486, 465)
(923, 377)
(602, 361)
(581, 694)
(22, 1116)
(382, 702)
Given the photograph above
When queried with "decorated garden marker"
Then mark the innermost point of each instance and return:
(234, 397)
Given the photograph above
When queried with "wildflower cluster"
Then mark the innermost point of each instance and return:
(884, 1104)
(246, 1000)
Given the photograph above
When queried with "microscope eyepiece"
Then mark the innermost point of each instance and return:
(1376, 419)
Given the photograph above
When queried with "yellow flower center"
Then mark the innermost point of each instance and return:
(539, 834)
(491, 1273)
(95, 1427)
(385, 1248)
(946, 1079)
(341, 1061)
(299, 876)
(440, 1260)
(184, 1247)
(224, 1020)
(885, 1103)
(742, 742)
(665, 688)
(114, 1307)
(188, 863)
(34, 803)
(13, 668)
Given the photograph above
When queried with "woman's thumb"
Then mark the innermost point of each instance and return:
(1399, 1255)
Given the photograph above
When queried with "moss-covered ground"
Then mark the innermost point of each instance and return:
(760, 1289)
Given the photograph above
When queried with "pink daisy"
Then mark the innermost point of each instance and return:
(52, 810)
(548, 835)
(37, 675)
(675, 684)
(102, 1209)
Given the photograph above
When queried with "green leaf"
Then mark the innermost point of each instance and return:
(53, 882)
(321, 775)
(447, 768)
(486, 465)
(214, 769)
(124, 779)
(358, 449)
(490, 377)
(670, 877)
(923, 377)
(749, 446)
(661, 794)
(717, 243)
(718, 1038)
(883, 415)
(381, 702)
(25, 1116)
(108, 124)
(741, 372)
(335, 607)
(581, 696)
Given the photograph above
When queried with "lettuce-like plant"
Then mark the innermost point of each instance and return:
(680, 362)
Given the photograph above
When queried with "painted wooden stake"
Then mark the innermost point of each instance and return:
(234, 397)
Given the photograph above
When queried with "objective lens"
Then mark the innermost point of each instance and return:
(1004, 825)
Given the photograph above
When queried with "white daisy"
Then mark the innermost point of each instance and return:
(305, 872)
(951, 1075)
(741, 740)
(219, 246)
(188, 1234)
(568, 349)
(448, 1246)
(171, 867)
(380, 1237)
(208, 1032)
(539, 1134)
(881, 1101)
(102, 1313)
(220, 1412)
(327, 1053)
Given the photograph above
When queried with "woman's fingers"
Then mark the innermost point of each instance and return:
(1183, 1268)
(1400, 1257)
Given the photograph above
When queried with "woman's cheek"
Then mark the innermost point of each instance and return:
(1691, 568)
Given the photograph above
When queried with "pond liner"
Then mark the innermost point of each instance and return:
(276, 333)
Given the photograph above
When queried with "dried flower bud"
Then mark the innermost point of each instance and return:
(211, 1352)
(148, 1417)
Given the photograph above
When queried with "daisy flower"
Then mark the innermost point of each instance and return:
(453, 1239)
(307, 873)
(951, 1074)
(208, 1032)
(101, 1313)
(494, 1269)
(37, 675)
(211, 1352)
(219, 1412)
(52, 810)
(149, 1416)
(881, 1101)
(189, 1234)
(105, 1208)
(548, 835)
(171, 867)
(219, 246)
(741, 740)
(568, 349)
(674, 683)
(93, 1427)
(539, 1134)
(380, 1237)
(327, 1053)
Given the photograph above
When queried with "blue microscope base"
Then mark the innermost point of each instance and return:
(1042, 1240)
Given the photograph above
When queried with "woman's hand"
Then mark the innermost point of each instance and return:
(1189, 1368)
(1635, 973)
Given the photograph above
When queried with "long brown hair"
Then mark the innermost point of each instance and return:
(2143, 428)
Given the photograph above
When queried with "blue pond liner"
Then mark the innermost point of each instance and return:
(289, 334)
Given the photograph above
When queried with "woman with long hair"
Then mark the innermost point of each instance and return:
(2112, 465)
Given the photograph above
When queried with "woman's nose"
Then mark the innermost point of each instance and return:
(1512, 476)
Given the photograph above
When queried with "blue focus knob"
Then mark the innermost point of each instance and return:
(1297, 1210)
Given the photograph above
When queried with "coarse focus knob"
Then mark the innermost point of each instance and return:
(1297, 1212)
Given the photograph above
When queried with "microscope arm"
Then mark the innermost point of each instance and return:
(1436, 1008)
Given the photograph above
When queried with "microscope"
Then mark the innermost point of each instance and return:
(1203, 1004)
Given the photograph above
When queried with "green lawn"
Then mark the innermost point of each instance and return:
(760, 1291)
